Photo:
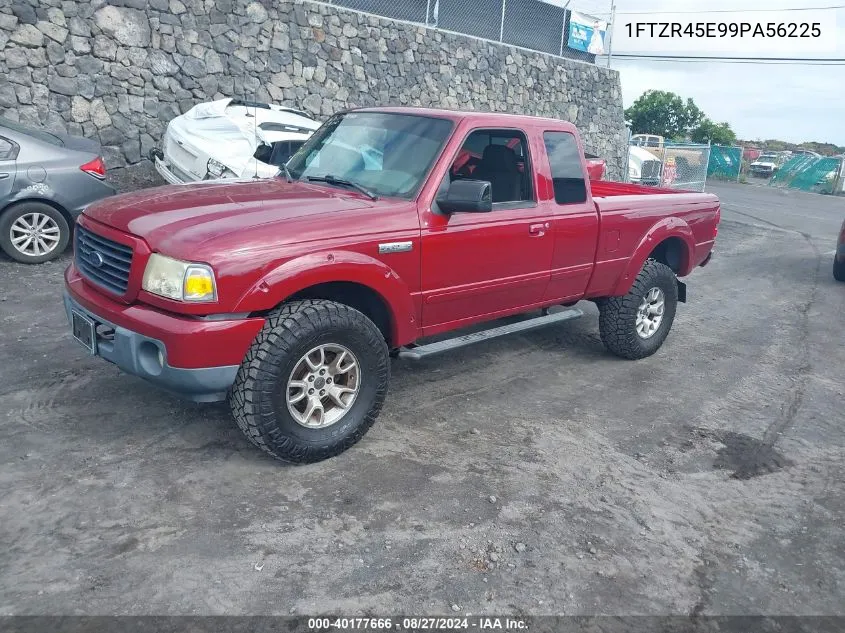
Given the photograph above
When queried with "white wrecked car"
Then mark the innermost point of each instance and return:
(231, 138)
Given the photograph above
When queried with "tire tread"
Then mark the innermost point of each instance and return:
(617, 315)
(251, 396)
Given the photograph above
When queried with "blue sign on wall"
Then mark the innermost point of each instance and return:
(586, 33)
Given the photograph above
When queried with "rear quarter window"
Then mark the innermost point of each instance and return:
(41, 135)
(8, 149)
(565, 162)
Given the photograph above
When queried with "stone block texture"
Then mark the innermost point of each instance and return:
(119, 70)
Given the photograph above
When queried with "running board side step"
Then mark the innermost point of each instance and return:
(424, 351)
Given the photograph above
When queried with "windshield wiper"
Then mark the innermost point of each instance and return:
(331, 180)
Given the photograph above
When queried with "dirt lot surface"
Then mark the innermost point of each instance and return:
(535, 474)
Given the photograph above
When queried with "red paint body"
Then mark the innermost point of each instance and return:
(268, 240)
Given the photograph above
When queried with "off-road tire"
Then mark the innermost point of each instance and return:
(617, 315)
(258, 396)
(839, 269)
(11, 214)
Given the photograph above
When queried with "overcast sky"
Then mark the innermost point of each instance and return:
(794, 103)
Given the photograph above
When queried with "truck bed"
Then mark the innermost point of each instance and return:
(607, 189)
(628, 216)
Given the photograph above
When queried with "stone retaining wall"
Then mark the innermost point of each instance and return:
(119, 71)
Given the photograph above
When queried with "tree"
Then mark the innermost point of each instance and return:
(663, 113)
(715, 133)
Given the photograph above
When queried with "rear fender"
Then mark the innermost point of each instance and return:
(666, 228)
(301, 273)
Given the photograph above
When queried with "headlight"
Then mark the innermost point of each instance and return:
(633, 172)
(175, 279)
(217, 169)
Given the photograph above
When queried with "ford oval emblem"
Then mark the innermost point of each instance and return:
(96, 259)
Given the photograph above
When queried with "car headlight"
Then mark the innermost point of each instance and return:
(216, 169)
(175, 279)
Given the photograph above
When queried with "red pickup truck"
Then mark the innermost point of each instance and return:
(289, 296)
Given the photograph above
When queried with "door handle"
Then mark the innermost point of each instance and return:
(538, 230)
(4, 176)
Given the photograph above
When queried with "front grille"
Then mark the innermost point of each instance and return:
(102, 261)
(651, 170)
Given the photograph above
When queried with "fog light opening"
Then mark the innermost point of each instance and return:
(151, 358)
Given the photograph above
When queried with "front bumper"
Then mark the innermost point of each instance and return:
(646, 182)
(165, 339)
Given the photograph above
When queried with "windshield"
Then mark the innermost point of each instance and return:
(768, 158)
(388, 154)
(41, 135)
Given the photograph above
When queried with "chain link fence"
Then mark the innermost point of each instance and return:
(685, 166)
(574, 29)
(682, 166)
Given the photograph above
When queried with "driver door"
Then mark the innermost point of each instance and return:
(477, 266)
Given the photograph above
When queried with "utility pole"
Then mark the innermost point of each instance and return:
(563, 28)
(610, 26)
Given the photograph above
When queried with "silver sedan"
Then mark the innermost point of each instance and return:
(46, 180)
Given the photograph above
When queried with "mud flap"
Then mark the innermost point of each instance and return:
(682, 291)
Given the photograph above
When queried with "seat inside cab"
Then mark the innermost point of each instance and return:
(499, 157)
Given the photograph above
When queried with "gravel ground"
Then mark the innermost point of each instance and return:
(534, 475)
(138, 176)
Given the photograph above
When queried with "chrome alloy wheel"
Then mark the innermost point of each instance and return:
(323, 386)
(650, 313)
(35, 234)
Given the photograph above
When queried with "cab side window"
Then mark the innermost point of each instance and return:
(499, 157)
(567, 172)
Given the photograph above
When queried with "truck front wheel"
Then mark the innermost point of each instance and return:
(635, 326)
(312, 383)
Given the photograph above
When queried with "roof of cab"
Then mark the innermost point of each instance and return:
(478, 118)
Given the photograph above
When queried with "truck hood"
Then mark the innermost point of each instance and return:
(637, 156)
(183, 220)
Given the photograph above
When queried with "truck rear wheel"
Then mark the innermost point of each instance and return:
(312, 383)
(635, 326)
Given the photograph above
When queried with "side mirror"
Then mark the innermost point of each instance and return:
(467, 196)
(263, 152)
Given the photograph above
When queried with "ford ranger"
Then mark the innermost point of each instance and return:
(288, 297)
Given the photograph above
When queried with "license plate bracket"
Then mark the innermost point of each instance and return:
(84, 330)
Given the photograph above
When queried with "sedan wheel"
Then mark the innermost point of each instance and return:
(33, 232)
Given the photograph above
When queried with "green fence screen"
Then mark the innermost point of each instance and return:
(808, 173)
(725, 162)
